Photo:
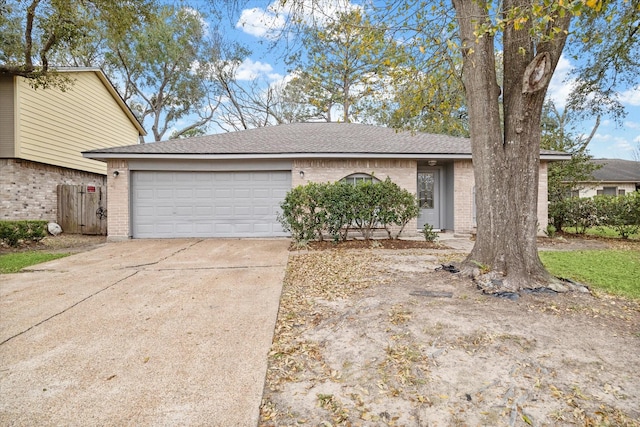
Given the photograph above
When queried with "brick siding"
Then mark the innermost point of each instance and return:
(118, 201)
(543, 199)
(28, 190)
(464, 181)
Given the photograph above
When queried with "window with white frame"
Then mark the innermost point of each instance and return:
(357, 178)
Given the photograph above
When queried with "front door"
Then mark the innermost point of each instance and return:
(429, 197)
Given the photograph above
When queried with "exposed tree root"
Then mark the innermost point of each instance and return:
(496, 283)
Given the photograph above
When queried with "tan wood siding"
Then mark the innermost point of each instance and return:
(55, 127)
(7, 131)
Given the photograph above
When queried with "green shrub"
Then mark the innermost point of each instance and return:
(14, 232)
(551, 230)
(311, 211)
(621, 213)
(296, 217)
(397, 207)
(429, 234)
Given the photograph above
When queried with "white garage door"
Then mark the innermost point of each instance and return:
(208, 204)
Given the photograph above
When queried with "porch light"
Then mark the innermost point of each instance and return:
(115, 174)
(432, 162)
(302, 174)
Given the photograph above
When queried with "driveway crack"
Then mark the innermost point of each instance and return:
(166, 257)
(68, 308)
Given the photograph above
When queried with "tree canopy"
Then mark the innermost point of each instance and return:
(167, 65)
(347, 62)
(34, 31)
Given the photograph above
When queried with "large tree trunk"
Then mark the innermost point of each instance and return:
(506, 152)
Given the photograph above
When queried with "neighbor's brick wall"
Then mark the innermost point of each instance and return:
(463, 183)
(401, 172)
(118, 217)
(28, 190)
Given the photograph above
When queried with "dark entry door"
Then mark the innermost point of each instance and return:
(429, 198)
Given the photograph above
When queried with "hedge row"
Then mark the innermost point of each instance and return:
(622, 213)
(314, 210)
(13, 232)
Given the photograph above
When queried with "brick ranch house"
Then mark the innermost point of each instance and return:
(231, 185)
(616, 177)
(43, 133)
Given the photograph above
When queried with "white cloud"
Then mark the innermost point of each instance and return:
(611, 146)
(632, 125)
(252, 70)
(269, 22)
(637, 139)
(260, 22)
(561, 85)
(630, 97)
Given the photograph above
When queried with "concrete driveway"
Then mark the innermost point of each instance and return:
(143, 332)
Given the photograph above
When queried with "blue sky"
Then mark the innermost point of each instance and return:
(256, 25)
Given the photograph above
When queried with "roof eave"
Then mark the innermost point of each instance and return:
(271, 156)
(555, 157)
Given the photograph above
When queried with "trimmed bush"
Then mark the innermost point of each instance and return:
(622, 213)
(14, 232)
(309, 212)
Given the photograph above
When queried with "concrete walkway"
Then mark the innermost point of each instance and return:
(143, 332)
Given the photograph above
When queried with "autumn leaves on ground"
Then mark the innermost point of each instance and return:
(378, 337)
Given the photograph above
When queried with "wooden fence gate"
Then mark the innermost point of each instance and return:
(82, 209)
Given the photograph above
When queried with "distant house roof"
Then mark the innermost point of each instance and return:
(112, 90)
(304, 140)
(617, 170)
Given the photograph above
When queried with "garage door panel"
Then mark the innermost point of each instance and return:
(223, 211)
(208, 204)
(203, 193)
(204, 211)
(242, 193)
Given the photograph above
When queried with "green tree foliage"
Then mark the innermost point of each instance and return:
(605, 43)
(431, 101)
(346, 63)
(167, 64)
(34, 31)
(557, 135)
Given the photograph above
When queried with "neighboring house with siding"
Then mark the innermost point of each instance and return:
(232, 184)
(43, 133)
(615, 177)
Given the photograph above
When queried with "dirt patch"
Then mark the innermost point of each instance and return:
(378, 337)
(70, 243)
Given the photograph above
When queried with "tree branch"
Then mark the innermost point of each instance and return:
(28, 36)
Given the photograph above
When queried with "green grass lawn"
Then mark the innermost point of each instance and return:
(613, 271)
(14, 262)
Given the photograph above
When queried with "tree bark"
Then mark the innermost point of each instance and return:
(506, 151)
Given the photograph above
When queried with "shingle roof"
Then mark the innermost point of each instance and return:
(303, 138)
(617, 170)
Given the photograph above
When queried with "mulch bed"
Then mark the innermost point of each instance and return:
(369, 244)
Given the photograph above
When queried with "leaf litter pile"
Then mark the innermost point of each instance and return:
(379, 338)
